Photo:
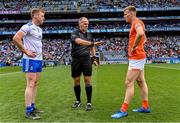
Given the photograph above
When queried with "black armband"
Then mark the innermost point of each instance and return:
(92, 44)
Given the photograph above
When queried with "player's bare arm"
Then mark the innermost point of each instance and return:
(140, 33)
(17, 39)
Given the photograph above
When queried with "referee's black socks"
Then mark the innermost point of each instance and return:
(88, 92)
(77, 91)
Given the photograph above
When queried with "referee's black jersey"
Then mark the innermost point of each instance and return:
(79, 50)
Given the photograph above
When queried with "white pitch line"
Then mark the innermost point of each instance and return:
(4, 74)
(10, 73)
(163, 67)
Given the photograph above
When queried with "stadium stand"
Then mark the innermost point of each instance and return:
(97, 26)
(115, 49)
(84, 5)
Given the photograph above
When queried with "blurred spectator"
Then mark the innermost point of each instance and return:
(110, 25)
(84, 5)
(57, 49)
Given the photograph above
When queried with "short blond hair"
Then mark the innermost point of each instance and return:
(36, 10)
(130, 8)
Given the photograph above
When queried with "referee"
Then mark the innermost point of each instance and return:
(82, 48)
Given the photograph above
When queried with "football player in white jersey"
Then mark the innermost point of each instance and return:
(29, 41)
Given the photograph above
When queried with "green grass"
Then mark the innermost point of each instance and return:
(55, 95)
(9, 69)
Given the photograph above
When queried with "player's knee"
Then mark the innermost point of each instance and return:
(76, 81)
(87, 80)
(32, 84)
(128, 83)
(88, 84)
(36, 84)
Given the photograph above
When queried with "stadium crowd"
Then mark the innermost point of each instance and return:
(8, 52)
(163, 47)
(83, 5)
(117, 25)
(55, 49)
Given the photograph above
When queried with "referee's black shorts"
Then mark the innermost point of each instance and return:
(81, 65)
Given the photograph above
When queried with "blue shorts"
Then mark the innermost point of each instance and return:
(30, 65)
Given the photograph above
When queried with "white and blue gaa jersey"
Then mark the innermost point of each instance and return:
(32, 40)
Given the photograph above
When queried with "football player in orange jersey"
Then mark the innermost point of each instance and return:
(137, 59)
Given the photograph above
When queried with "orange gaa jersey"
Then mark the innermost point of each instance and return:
(139, 53)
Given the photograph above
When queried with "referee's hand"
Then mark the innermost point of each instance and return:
(95, 63)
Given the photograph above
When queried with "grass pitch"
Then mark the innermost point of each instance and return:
(55, 95)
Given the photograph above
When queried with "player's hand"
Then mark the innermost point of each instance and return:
(31, 53)
(133, 49)
(99, 43)
(146, 40)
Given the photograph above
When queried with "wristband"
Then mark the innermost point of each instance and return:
(92, 44)
(94, 58)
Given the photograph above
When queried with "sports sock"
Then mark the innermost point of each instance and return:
(145, 104)
(88, 93)
(77, 91)
(124, 107)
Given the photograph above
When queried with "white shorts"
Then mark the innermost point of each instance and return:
(136, 64)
